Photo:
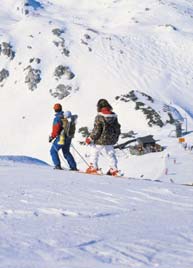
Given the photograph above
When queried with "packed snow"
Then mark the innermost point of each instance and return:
(63, 219)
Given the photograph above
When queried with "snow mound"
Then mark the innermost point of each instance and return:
(18, 159)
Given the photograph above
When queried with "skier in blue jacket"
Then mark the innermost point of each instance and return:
(57, 129)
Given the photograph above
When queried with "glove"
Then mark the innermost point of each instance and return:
(50, 139)
(88, 140)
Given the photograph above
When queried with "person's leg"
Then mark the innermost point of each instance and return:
(110, 151)
(54, 153)
(94, 157)
(67, 154)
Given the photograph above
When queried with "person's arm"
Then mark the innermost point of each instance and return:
(56, 128)
(97, 130)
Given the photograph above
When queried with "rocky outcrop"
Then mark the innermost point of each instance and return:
(3, 74)
(86, 41)
(84, 131)
(35, 60)
(146, 104)
(63, 71)
(32, 78)
(61, 91)
(6, 49)
(31, 5)
(58, 32)
(60, 42)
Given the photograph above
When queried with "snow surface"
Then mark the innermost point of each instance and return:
(66, 219)
(70, 220)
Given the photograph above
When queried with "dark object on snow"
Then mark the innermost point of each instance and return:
(124, 145)
(64, 71)
(145, 141)
(84, 131)
(3, 74)
(32, 78)
(178, 128)
(143, 145)
(6, 49)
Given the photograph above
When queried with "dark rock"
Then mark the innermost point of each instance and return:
(171, 26)
(138, 105)
(6, 49)
(87, 36)
(84, 42)
(66, 52)
(37, 60)
(58, 32)
(61, 91)
(129, 134)
(171, 119)
(152, 116)
(32, 78)
(64, 71)
(3, 74)
(60, 43)
(56, 43)
(31, 60)
(147, 96)
(84, 131)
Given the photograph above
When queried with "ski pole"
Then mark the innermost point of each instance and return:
(80, 155)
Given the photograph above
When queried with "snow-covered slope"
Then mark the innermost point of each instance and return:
(65, 219)
(76, 52)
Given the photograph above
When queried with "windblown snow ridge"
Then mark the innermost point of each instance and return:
(11, 159)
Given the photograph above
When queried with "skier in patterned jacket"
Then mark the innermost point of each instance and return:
(104, 135)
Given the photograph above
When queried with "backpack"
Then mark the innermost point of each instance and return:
(113, 131)
(68, 128)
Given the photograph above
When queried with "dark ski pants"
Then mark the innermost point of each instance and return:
(54, 151)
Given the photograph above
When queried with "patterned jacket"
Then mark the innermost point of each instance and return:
(106, 129)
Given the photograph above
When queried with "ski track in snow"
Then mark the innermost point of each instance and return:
(67, 219)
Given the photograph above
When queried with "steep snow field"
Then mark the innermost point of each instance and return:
(111, 47)
(66, 219)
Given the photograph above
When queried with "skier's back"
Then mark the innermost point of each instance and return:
(104, 135)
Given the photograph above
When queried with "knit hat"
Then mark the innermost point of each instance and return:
(57, 107)
(103, 103)
(67, 114)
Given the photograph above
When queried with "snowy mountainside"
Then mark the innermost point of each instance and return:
(156, 113)
(76, 52)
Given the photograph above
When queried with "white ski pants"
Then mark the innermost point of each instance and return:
(95, 152)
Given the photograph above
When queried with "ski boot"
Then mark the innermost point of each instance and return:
(92, 170)
(114, 172)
